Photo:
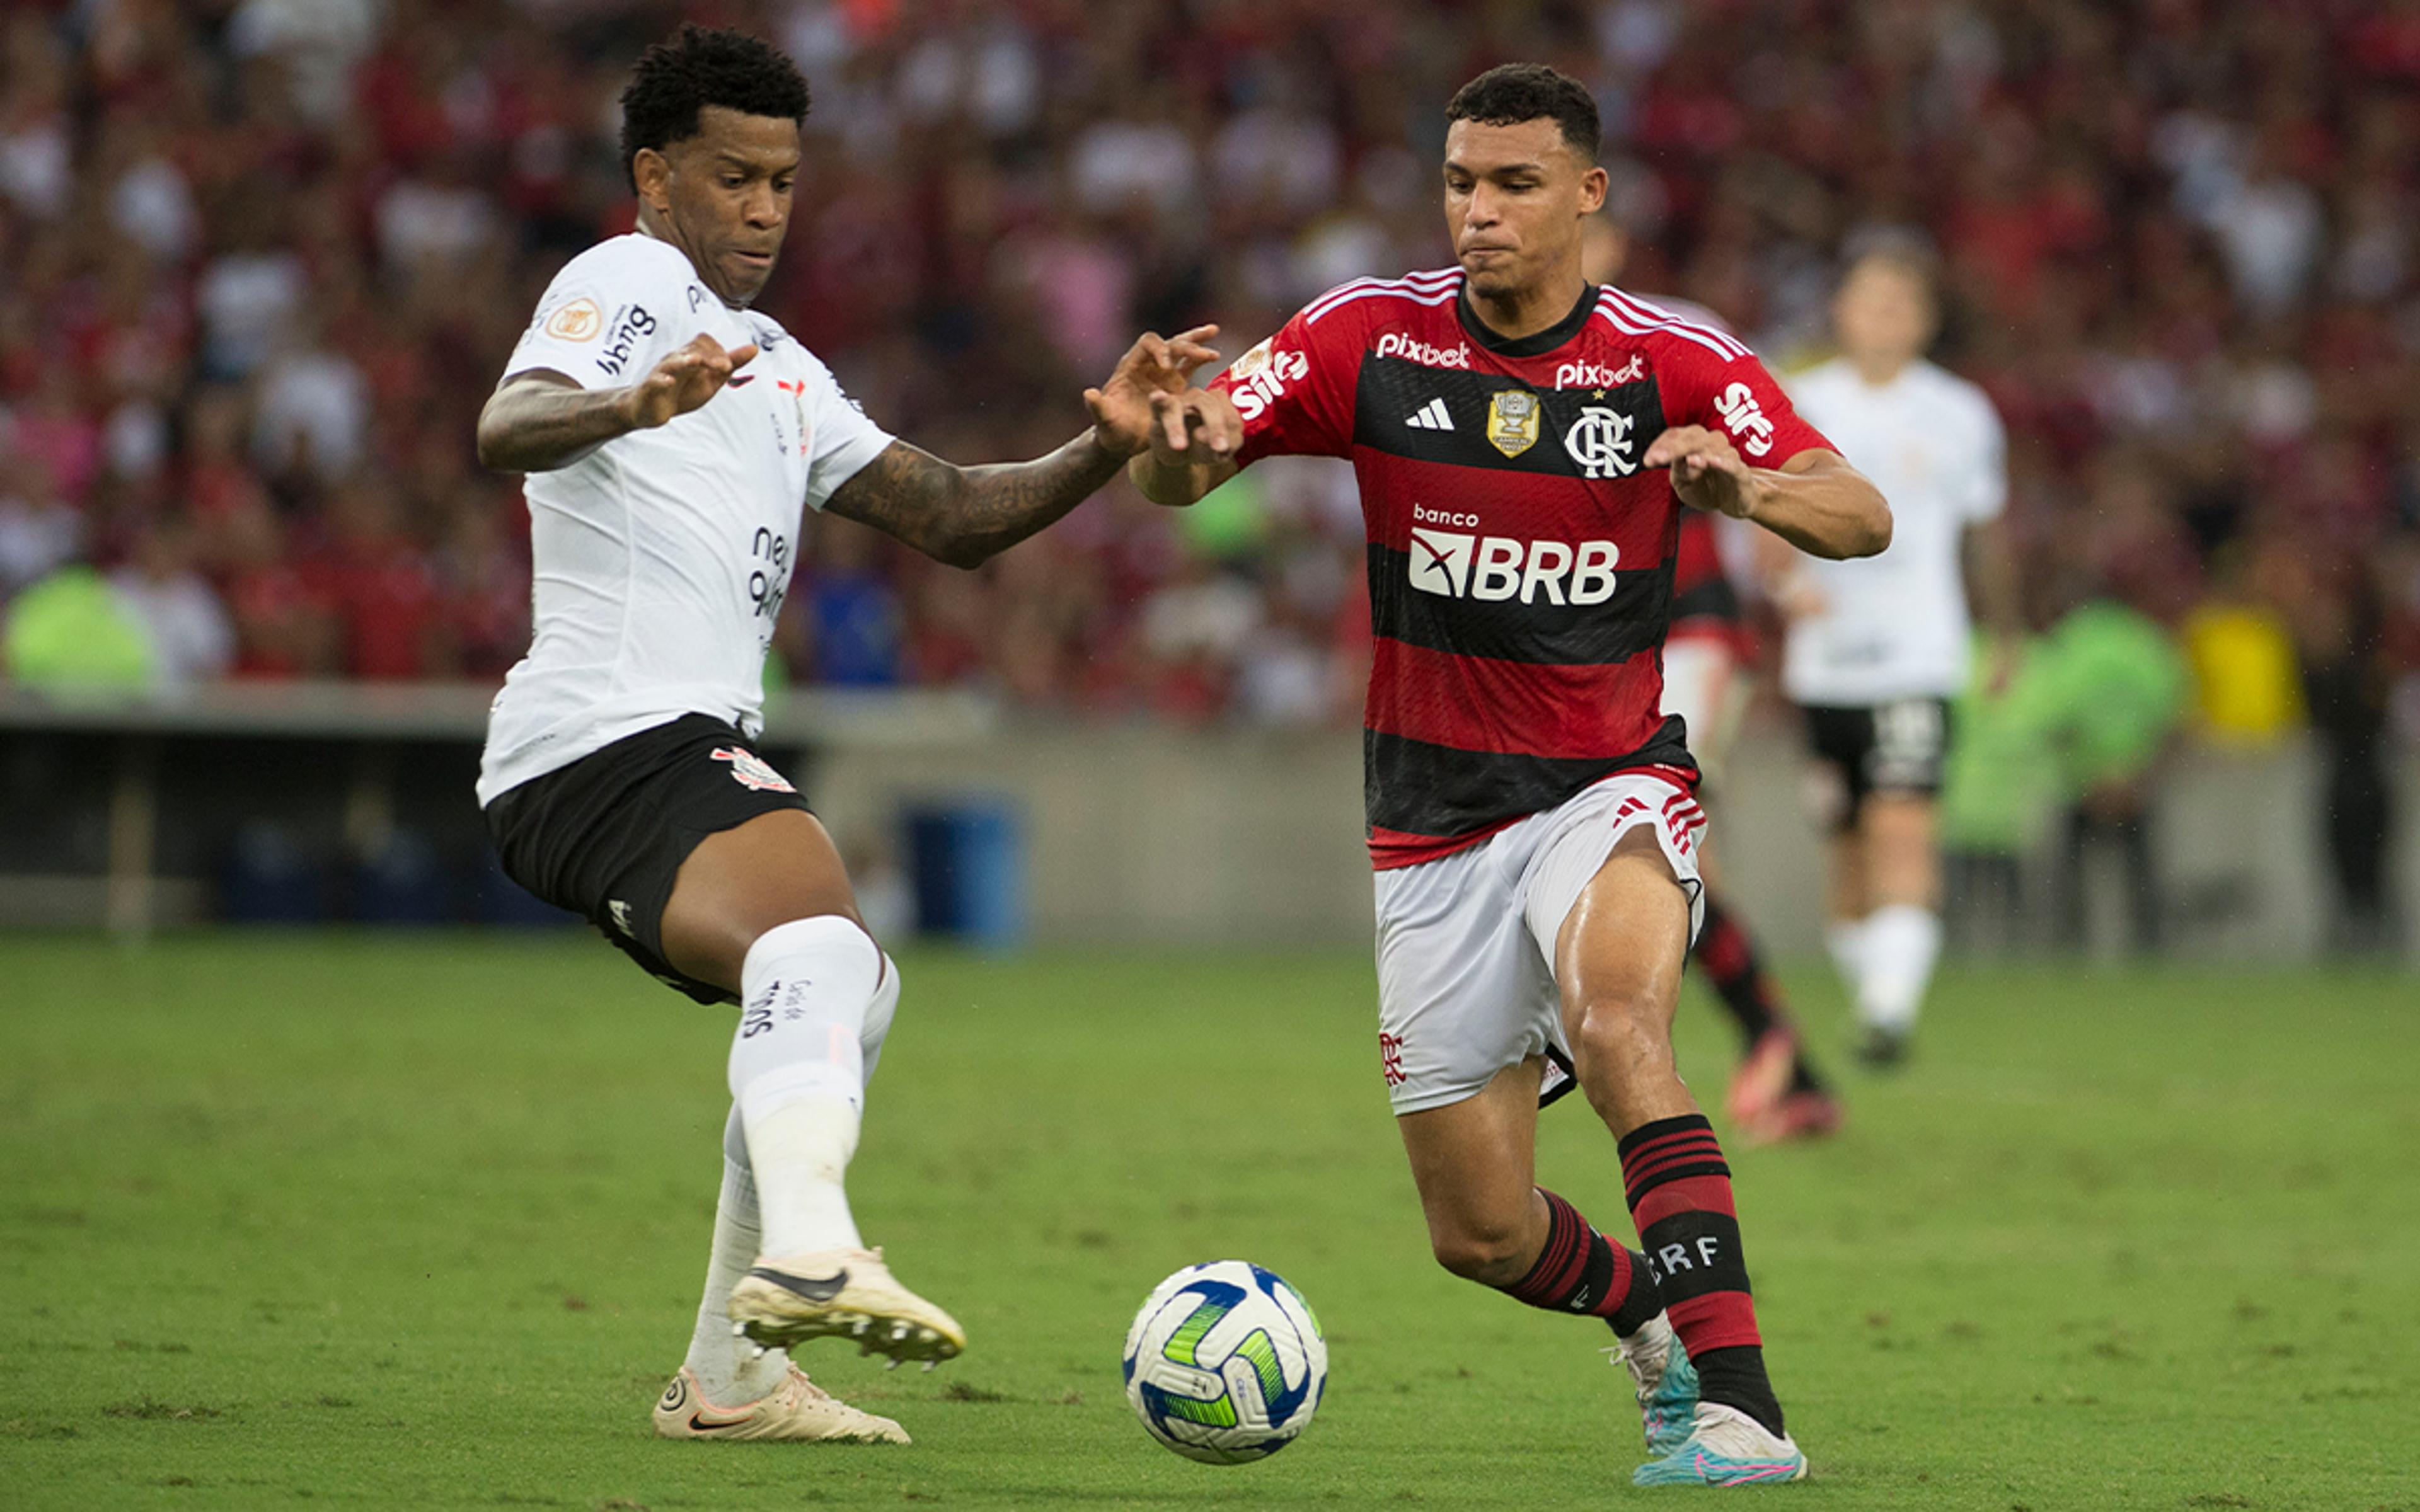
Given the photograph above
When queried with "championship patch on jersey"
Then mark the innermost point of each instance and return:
(580, 320)
(1513, 421)
(753, 772)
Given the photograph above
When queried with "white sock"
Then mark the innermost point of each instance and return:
(1902, 942)
(798, 1071)
(729, 1371)
(879, 1015)
(1845, 938)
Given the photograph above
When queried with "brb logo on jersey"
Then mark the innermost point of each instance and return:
(1261, 375)
(1745, 419)
(1600, 442)
(1493, 568)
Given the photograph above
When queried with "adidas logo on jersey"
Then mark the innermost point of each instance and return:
(1495, 567)
(1430, 416)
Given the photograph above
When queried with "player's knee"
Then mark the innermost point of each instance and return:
(1619, 1025)
(1490, 1254)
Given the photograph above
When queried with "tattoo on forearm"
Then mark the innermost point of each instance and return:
(962, 516)
(536, 424)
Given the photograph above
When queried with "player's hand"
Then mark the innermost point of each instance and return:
(684, 381)
(1707, 472)
(1197, 425)
(1122, 412)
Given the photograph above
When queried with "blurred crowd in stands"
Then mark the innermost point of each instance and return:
(260, 261)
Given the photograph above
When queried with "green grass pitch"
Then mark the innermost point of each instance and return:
(417, 1221)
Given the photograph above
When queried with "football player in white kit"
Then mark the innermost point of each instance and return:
(1878, 647)
(672, 437)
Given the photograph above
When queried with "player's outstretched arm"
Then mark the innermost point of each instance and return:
(1194, 438)
(965, 514)
(1816, 501)
(538, 420)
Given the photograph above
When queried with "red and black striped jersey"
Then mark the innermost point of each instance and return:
(1520, 561)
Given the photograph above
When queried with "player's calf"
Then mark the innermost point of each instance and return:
(1578, 1270)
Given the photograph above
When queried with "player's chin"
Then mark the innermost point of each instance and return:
(1490, 277)
(744, 276)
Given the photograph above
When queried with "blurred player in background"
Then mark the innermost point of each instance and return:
(672, 437)
(1775, 1094)
(1877, 649)
(1524, 442)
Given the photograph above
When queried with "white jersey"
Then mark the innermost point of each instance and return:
(660, 558)
(1895, 627)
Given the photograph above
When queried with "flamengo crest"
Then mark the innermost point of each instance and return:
(1513, 421)
(753, 772)
(1600, 442)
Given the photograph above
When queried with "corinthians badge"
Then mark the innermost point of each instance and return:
(1513, 421)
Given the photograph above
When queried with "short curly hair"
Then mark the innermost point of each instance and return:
(703, 66)
(1517, 92)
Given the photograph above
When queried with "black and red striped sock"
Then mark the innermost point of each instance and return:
(1679, 1191)
(1580, 1270)
(1733, 969)
(1728, 954)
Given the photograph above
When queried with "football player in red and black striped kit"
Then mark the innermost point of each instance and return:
(1524, 443)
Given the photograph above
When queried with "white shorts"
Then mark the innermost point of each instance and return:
(1703, 685)
(1466, 942)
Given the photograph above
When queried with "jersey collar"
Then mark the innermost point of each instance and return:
(1537, 343)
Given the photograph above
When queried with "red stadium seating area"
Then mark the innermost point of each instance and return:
(260, 261)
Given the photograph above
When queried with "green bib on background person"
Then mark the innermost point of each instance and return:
(2000, 776)
(72, 630)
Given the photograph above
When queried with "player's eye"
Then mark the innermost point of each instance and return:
(732, 180)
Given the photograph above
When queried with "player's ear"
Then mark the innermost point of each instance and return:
(652, 171)
(1592, 189)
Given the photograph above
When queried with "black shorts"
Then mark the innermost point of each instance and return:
(605, 836)
(1884, 747)
(1710, 599)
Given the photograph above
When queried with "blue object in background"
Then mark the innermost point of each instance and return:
(269, 879)
(858, 630)
(404, 883)
(967, 859)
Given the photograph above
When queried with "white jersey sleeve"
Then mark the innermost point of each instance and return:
(845, 438)
(1985, 495)
(598, 324)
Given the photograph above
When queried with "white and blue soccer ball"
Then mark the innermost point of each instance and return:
(1225, 1363)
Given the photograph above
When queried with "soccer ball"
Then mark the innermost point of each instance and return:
(1225, 1363)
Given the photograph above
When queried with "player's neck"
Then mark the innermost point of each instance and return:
(1517, 314)
(1880, 370)
(656, 229)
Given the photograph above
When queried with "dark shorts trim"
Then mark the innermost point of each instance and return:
(1896, 747)
(605, 837)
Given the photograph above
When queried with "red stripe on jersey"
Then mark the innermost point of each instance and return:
(1394, 849)
(1699, 556)
(1516, 707)
(1391, 849)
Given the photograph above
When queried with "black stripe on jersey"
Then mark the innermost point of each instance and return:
(1575, 432)
(1416, 788)
(1506, 630)
(1715, 598)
